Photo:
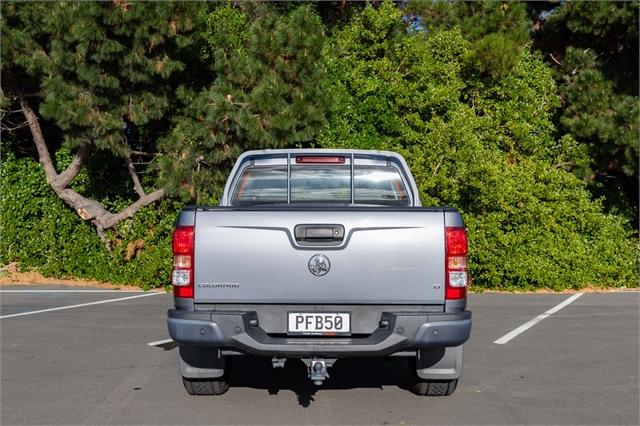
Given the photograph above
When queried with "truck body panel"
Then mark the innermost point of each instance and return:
(384, 257)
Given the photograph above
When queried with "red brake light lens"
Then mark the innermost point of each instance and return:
(456, 241)
(185, 292)
(183, 240)
(315, 159)
(182, 275)
(456, 272)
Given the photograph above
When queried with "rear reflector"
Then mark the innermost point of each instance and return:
(314, 159)
(182, 275)
(181, 261)
(457, 262)
(457, 276)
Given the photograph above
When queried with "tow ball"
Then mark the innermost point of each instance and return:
(317, 369)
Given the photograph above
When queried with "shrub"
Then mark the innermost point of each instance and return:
(40, 232)
(487, 147)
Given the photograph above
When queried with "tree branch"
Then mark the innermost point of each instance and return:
(134, 177)
(16, 127)
(86, 208)
(555, 60)
(150, 154)
(66, 177)
(133, 208)
(103, 235)
(36, 132)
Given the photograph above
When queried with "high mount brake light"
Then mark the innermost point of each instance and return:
(182, 274)
(456, 272)
(315, 159)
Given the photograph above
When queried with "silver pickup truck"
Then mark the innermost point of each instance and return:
(320, 255)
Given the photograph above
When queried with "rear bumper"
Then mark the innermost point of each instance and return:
(233, 330)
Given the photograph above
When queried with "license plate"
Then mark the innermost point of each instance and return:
(319, 323)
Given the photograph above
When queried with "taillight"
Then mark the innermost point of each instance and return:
(456, 272)
(316, 159)
(182, 274)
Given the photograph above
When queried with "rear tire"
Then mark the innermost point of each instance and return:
(198, 364)
(433, 387)
(205, 386)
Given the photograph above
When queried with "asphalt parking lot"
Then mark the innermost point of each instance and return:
(91, 364)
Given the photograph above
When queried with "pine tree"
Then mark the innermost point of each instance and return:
(498, 30)
(98, 72)
(593, 48)
(267, 91)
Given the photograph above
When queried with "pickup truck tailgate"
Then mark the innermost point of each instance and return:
(386, 256)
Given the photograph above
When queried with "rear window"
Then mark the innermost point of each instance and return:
(377, 185)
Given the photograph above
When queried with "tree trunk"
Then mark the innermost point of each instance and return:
(86, 208)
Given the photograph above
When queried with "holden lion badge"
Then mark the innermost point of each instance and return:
(319, 265)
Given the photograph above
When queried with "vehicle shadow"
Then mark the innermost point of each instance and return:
(349, 373)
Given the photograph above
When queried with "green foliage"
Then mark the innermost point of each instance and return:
(267, 92)
(225, 27)
(592, 47)
(533, 226)
(487, 147)
(40, 232)
(498, 30)
(608, 119)
(99, 66)
(608, 28)
(594, 51)
(485, 123)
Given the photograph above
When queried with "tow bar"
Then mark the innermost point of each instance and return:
(317, 369)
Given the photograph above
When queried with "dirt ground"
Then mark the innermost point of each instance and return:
(9, 275)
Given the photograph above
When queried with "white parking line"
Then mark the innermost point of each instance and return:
(524, 327)
(160, 342)
(80, 305)
(72, 291)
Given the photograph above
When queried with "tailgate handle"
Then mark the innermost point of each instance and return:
(319, 235)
